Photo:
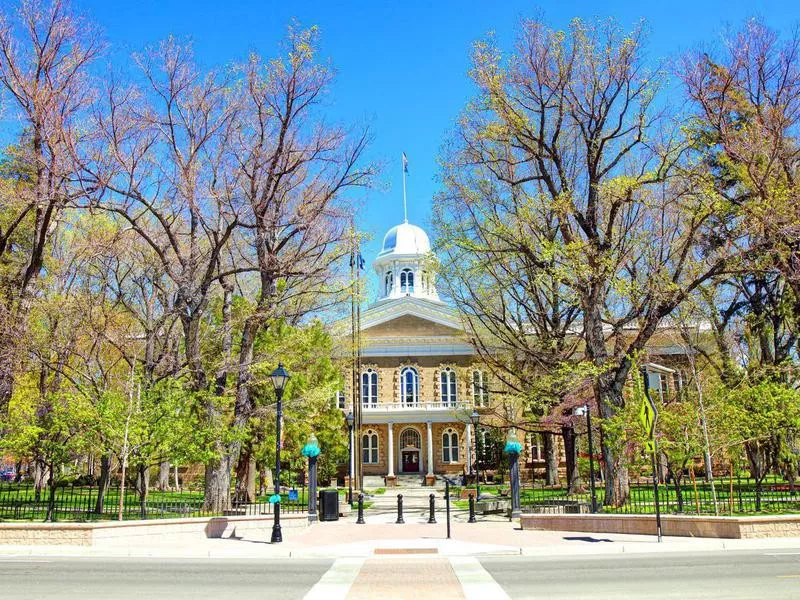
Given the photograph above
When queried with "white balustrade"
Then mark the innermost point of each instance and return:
(415, 406)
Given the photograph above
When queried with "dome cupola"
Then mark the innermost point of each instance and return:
(404, 265)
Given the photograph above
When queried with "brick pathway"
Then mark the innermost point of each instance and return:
(395, 579)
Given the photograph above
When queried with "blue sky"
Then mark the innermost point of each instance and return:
(402, 66)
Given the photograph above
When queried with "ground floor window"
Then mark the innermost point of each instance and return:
(369, 447)
(450, 446)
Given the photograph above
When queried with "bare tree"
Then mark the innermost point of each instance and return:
(570, 123)
(747, 99)
(45, 54)
(295, 172)
(160, 165)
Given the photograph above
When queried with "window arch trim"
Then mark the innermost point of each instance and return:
(450, 449)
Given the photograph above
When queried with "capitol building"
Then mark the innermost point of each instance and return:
(419, 380)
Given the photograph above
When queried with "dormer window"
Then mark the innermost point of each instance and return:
(389, 282)
(406, 281)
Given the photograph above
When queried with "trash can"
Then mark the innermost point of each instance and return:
(329, 505)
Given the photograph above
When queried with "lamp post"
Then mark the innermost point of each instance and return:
(350, 420)
(513, 448)
(581, 410)
(475, 419)
(279, 378)
(311, 451)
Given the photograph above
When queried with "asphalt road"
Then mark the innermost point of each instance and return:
(156, 579)
(728, 575)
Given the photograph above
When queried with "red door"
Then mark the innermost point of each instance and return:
(410, 461)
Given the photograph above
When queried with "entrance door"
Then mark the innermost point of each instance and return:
(410, 462)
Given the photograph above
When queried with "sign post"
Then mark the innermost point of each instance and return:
(648, 415)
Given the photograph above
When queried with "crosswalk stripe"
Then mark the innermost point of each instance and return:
(476, 581)
(337, 580)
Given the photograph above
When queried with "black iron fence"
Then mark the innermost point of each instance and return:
(22, 502)
(729, 496)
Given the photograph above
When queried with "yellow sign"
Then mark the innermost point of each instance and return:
(647, 417)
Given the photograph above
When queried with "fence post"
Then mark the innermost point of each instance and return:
(360, 520)
(432, 501)
(471, 509)
(447, 504)
(400, 520)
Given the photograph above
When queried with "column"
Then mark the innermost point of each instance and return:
(390, 454)
(468, 447)
(430, 448)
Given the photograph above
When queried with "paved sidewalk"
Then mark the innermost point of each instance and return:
(344, 538)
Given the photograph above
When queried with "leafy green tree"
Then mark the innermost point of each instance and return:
(760, 415)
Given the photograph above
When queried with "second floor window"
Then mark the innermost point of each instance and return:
(340, 399)
(369, 387)
(480, 388)
(409, 386)
(447, 380)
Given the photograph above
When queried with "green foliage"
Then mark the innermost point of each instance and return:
(53, 429)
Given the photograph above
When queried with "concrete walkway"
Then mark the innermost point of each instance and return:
(344, 538)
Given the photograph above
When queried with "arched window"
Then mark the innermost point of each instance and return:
(410, 438)
(409, 386)
(535, 446)
(389, 282)
(480, 388)
(369, 447)
(447, 380)
(450, 446)
(407, 281)
(369, 388)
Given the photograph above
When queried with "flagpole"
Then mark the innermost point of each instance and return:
(403, 166)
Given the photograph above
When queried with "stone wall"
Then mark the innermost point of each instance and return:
(159, 531)
(672, 525)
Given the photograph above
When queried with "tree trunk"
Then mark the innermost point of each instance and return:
(163, 476)
(551, 458)
(177, 480)
(615, 469)
(39, 477)
(246, 477)
(102, 484)
(571, 452)
(218, 484)
(143, 485)
(143, 481)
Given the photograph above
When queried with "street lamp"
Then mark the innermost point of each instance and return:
(513, 449)
(580, 411)
(311, 451)
(475, 419)
(350, 420)
(279, 378)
